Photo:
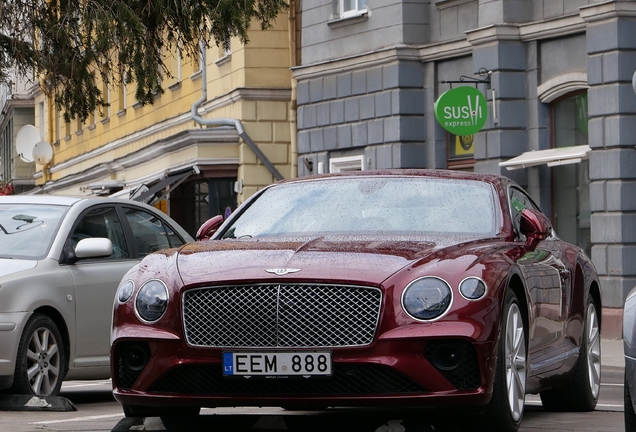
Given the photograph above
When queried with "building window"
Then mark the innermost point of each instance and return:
(460, 152)
(571, 183)
(349, 163)
(351, 8)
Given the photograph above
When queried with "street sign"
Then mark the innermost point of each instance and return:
(461, 111)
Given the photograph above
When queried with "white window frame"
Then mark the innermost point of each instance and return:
(356, 11)
(347, 163)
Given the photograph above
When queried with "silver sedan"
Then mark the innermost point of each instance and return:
(61, 260)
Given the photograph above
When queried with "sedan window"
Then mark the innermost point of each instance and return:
(370, 205)
(102, 222)
(27, 230)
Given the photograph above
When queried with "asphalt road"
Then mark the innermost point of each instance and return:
(98, 411)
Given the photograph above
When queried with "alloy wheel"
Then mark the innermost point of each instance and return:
(43, 362)
(593, 351)
(515, 350)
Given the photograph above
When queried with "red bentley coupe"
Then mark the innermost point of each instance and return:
(384, 288)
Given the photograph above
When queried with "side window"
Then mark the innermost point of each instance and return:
(102, 222)
(518, 202)
(149, 232)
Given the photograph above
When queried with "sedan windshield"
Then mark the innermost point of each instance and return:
(27, 230)
(370, 205)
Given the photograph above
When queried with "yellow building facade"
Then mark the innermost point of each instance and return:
(160, 151)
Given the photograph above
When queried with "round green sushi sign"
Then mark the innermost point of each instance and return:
(462, 111)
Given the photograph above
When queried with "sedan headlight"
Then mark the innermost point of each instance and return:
(427, 298)
(152, 300)
(125, 291)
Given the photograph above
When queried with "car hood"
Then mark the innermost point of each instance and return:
(344, 259)
(10, 266)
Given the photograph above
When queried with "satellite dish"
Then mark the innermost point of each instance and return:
(26, 139)
(42, 152)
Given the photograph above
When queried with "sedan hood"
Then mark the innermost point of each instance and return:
(347, 259)
(10, 266)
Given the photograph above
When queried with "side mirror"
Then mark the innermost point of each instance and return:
(209, 227)
(535, 226)
(94, 247)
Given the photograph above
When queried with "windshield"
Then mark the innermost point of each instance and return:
(370, 205)
(27, 230)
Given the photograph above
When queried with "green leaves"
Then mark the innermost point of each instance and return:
(68, 42)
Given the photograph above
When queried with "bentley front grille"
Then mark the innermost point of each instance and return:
(281, 316)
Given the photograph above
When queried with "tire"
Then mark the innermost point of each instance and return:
(630, 416)
(505, 410)
(581, 392)
(41, 364)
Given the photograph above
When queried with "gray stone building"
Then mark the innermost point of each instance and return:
(563, 121)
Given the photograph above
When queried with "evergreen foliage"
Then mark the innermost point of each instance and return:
(65, 44)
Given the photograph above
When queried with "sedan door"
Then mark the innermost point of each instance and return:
(96, 281)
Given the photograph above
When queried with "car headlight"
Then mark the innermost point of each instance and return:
(472, 288)
(427, 298)
(152, 300)
(125, 291)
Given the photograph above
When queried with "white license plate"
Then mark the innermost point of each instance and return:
(288, 363)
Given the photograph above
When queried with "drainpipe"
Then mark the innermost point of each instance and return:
(227, 121)
(293, 106)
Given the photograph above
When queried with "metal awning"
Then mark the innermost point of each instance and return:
(551, 157)
(157, 191)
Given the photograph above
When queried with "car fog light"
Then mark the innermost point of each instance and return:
(125, 291)
(446, 357)
(472, 288)
(152, 300)
(427, 298)
(135, 358)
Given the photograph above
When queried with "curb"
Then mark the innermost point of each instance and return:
(35, 403)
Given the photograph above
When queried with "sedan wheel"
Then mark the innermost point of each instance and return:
(515, 362)
(630, 415)
(40, 362)
(581, 392)
(505, 410)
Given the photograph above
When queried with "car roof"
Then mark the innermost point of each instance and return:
(431, 173)
(56, 199)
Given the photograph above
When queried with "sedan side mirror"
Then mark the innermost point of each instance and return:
(209, 227)
(94, 247)
(535, 226)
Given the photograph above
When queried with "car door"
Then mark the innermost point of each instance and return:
(96, 281)
(547, 281)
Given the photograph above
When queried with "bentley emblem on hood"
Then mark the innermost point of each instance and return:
(282, 271)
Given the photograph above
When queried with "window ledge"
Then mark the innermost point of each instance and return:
(175, 86)
(196, 75)
(67, 138)
(136, 106)
(226, 58)
(443, 4)
(79, 132)
(121, 113)
(362, 16)
(105, 120)
(92, 126)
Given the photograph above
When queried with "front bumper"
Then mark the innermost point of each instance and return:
(11, 326)
(400, 372)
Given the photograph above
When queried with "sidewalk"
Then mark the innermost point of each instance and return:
(612, 353)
